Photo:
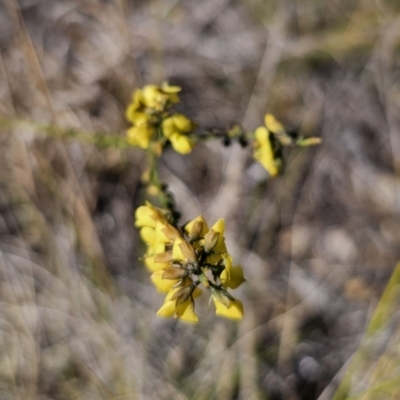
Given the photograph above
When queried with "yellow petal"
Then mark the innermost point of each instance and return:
(144, 217)
(140, 135)
(237, 277)
(162, 285)
(176, 251)
(153, 265)
(185, 312)
(234, 311)
(273, 124)
(166, 232)
(266, 158)
(264, 153)
(219, 227)
(170, 89)
(181, 144)
(231, 276)
(167, 309)
(148, 234)
(262, 135)
(204, 227)
(182, 123)
(168, 127)
(148, 215)
(155, 248)
(151, 96)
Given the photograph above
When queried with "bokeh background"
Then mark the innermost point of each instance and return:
(318, 245)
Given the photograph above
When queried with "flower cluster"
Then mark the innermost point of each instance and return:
(153, 123)
(270, 139)
(182, 258)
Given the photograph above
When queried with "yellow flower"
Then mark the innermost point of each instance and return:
(158, 98)
(136, 110)
(140, 135)
(220, 246)
(231, 276)
(184, 311)
(183, 251)
(233, 311)
(154, 259)
(264, 152)
(153, 265)
(166, 233)
(149, 215)
(197, 227)
(162, 285)
(219, 227)
(175, 129)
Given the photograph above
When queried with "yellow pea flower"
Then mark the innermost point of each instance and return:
(162, 285)
(234, 311)
(153, 265)
(148, 215)
(197, 228)
(183, 251)
(135, 111)
(184, 311)
(157, 97)
(140, 135)
(166, 233)
(219, 227)
(264, 152)
(151, 260)
(181, 144)
(220, 246)
(175, 129)
(231, 276)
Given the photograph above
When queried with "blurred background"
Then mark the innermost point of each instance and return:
(318, 244)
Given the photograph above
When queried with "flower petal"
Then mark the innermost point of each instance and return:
(234, 311)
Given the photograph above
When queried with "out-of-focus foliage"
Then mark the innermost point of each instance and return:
(76, 306)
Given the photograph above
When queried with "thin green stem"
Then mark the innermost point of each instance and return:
(98, 139)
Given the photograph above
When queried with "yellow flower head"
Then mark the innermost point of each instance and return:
(182, 258)
(175, 129)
